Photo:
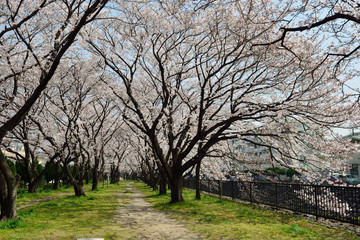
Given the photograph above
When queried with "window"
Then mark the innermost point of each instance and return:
(354, 170)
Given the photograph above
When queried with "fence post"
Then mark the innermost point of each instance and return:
(232, 190)
(220, 189)
(316, 203)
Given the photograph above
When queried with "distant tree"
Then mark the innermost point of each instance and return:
(27, 164)
(53, 173)
(119, 151)
(21, 170)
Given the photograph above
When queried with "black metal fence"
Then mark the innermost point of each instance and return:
(333, 202)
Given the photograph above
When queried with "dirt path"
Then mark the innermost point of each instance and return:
(46, 199)
(149, 223)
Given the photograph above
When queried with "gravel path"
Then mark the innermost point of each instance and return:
(148, 223)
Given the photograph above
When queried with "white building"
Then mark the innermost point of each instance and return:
(354, 162)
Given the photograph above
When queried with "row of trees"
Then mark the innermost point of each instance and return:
(52, 175)
(194, 76)
(35, 36)
(167, 84)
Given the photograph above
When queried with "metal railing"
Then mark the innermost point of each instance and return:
(327, 201)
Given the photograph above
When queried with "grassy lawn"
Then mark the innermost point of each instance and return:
(228, 220)
(24, 197)
(69, 217)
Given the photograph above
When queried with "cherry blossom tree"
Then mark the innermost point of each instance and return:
(333, 26)
(117, 151)
(190, 77)
(27, 136)
(75, 119)
(185, 76)
(99, 133)
(64, 103)
(150, 171)
(34, 37)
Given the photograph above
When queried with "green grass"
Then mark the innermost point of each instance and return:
(70, 217)
(12, 224)
(23, 197)
(216, 219)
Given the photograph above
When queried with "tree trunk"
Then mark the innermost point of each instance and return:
(34, 182)
(56, 184)
(79, 189)
(75, 171)
(176, 185)
(163, 183)
(9, 184)
(8, 208)
(33, 185)
(155, 183)
(87, 174)
(103, 180)
(95, 180)
(3, 195)
(78, 186)
(67, 180)
(34, 177)
(95, 176)
(114, 175)
(197, 181)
